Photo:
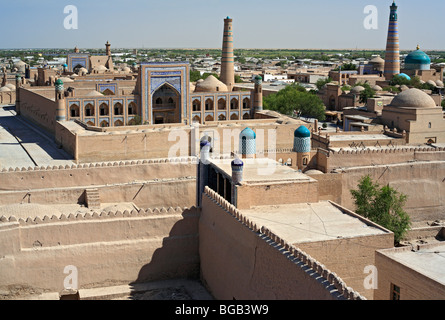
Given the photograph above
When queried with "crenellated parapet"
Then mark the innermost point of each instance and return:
(292, 252)
(95, 215)
(342, 151)
(187, 160)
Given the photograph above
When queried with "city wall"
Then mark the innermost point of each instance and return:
(331, 160)
(161, 141)
(421, 181)
(235, 260)
(37, 108)
(146, 183)
(107, 248)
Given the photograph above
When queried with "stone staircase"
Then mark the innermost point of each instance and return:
(92, 198)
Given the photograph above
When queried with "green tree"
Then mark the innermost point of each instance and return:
(382, 205)
(321, 82)
(366, 94)
(295, 99)
(195, 75)
(347, 67)
(399, 80)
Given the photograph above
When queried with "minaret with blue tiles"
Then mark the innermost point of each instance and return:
(392, 56)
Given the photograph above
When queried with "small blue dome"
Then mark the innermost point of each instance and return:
(302, 132)
(404, 75)
(248, 133)
(237, 163)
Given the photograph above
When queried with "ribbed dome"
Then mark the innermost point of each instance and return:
(377, 88)
(248, 133)
(413, 98)
(211, 84)
(302, 132)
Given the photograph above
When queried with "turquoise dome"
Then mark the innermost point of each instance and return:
(248, 133)
(417, 60)
(404, 75)
(302, 132)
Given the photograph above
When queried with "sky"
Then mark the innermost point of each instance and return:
(275, 24)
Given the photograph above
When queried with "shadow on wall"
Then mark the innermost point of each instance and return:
(178, 258)
(26, 136)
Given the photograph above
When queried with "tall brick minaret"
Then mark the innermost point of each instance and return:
(227, 75)
(392, 57)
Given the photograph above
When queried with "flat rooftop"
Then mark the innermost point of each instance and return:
(23, 144)
(428, 260)
(361, 137)
(262, 170)
(309, 222)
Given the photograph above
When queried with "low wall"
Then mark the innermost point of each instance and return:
(106, 248)
(329, 186)
(243, 261)
(146, 183)
(38, 109)
(422, 182)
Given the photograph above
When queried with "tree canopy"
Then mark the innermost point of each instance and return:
(294, 99)
(321, 82)
(382, 205)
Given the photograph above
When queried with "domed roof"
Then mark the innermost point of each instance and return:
(413, 98)
(404, 75)
(58, 81)
(302, 132)
(439, 83)
(248, 133)
(237, 162)
(100, 68)
(377, 60)
(404, 87)
(126, 69)
(94, 93)
(417, 57)
(210, 84)
(19, 63)
(4, 89)
(313, 171)
(431, 82)
(377, 88)
(65, 79)
(10, 86)
(357, 89)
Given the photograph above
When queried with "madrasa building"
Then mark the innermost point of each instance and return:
(98, 94)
